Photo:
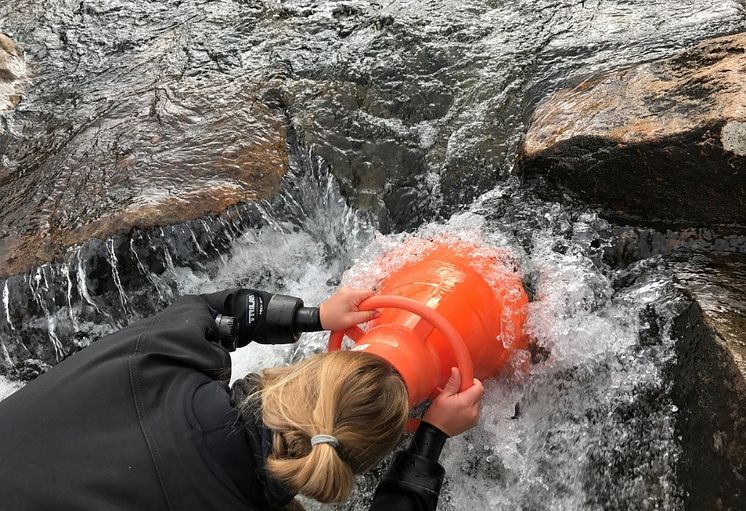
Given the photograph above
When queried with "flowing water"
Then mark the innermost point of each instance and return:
(436, 93)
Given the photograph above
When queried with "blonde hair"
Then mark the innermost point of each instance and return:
(353, 396)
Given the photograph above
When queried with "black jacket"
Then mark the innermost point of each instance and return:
(143, 419)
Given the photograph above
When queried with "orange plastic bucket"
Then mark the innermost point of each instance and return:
(439, 312)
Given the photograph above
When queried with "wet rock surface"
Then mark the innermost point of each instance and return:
(141, 117)
(13, 73)
(717, 281)
(127, 127)
(661, 145)
(61, 307)
(661, 142)
(709, 373)
(710, 391)
(393, 109)
(146, 114)
(625, 245)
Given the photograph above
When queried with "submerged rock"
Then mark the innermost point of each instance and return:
(13, 73)
(662, 141)
(376, 160)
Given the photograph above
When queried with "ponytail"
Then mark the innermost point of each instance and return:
(352, 396)
(321, 474)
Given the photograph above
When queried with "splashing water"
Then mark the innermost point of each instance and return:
(591, 424)
(7, 387)
(6, 301)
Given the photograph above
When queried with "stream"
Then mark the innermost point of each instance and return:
(405, 118)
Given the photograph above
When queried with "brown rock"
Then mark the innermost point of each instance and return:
(13, 73)
(164, 156)
(662, 141)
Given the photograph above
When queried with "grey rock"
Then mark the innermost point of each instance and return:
(710, 383)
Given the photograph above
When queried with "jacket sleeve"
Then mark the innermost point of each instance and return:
(182, 335)
(263, 317)
(414, 479)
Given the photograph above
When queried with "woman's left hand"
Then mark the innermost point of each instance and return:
(341, 310)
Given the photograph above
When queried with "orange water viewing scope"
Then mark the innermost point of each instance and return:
(440, 312)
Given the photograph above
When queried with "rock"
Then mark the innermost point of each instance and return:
(710, 384)
(126, 129)
(356, 129)
(13, 73)
(624, 244)
(161, 157)
(662, 141)
(178, 118)
(395, 109)
(709, 379)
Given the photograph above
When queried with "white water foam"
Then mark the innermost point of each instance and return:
(7, 387)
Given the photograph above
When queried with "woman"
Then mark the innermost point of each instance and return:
(143, 419)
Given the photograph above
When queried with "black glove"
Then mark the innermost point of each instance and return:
(263, 317)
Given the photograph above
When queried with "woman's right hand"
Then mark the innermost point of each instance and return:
(340, 311)
(454, 412)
